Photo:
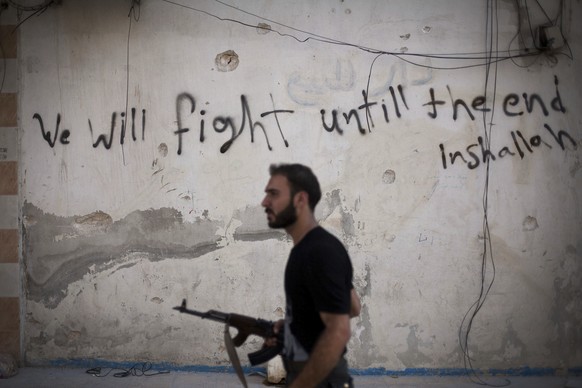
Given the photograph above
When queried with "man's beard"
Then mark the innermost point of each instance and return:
(285, 218)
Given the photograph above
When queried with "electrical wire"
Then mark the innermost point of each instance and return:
(29, 8)
(134, 14)
(136, 370)
(487, 258)
(544, 12)
(320, 38)
(520, 35)
(35, 13)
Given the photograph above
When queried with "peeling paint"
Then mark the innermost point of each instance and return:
(332, 205)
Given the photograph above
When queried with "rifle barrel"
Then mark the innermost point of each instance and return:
(211, 314)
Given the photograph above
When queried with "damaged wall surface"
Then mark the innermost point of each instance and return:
(449, 158)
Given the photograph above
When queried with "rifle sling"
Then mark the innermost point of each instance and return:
(233, 355)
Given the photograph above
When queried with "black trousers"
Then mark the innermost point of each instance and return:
(339, 376)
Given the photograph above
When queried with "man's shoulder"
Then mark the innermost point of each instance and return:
(322, 239)
(320, 232)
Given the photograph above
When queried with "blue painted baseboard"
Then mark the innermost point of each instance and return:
(523, 371)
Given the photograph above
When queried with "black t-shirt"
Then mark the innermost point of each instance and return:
(318, 278)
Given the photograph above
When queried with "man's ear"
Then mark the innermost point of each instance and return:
(302, 199)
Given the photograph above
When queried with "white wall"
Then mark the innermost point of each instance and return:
(113, 238)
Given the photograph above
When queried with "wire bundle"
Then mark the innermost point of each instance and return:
(136, 370)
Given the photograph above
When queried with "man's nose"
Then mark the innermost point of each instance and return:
(264, 203)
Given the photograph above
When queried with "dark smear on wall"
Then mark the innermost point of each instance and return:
(61, 250)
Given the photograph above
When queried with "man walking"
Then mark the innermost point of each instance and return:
(318, 283)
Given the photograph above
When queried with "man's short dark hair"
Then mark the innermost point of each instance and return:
(300, 178)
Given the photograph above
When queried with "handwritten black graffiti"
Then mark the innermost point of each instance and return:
(107, 142)
(353, 113)
(65, 135)
(363, 117)
(221, 124)
(479, 153)
(512, 105)
(64, 138)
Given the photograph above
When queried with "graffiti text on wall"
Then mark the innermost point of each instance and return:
(362, 118)
(221, 124)
(107, 140)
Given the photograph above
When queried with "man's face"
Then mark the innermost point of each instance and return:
(278, 203)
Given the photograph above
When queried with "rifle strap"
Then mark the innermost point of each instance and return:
(233, 355)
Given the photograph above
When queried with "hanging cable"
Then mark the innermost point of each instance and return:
(29, 8)
(477, 58)
(487, 259)
(134, 14)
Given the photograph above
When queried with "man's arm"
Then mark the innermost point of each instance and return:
(355, 305)
(327, 351)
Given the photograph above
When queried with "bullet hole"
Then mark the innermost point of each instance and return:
(530, 223)
(348, 11)
(263, 28)
(405, 36)
(389, 177)
(226, 61)
(426, 29)
(403, 49)
(163, 150)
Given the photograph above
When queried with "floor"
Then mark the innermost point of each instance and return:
(76, 377)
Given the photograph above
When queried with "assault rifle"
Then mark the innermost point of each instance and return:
(245, 326)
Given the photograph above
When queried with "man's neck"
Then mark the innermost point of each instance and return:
(300, 229)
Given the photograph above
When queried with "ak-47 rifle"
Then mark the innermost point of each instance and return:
(245, 326)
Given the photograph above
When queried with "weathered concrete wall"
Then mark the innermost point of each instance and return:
(144, 154)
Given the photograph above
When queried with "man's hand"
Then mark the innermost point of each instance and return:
(277, 326)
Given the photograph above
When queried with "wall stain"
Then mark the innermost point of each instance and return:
(530, 223)
(413, 357)
(61, 250)
(332, 201)
(566, 313)
(363, 346)
(53, 263)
